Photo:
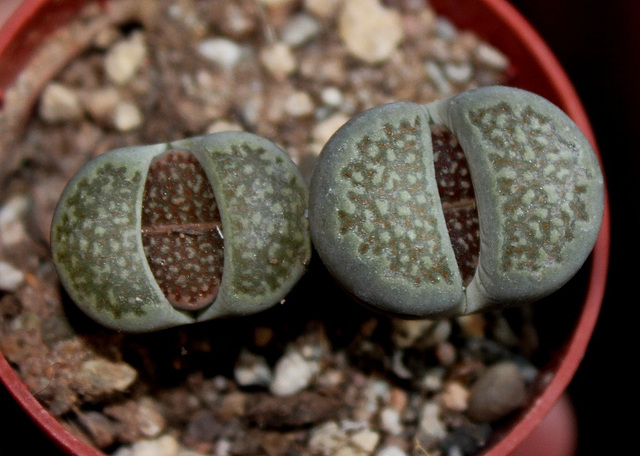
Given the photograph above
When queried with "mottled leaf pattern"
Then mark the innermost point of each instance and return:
(540, 182)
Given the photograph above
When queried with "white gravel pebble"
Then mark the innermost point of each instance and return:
(490, 56)
(126, 116)
(221, 51)
(331, 96)
(390, 421)
(101, 103)
(149, 418)
(125, 58)
(431, 426)
(252, 370)
(165, 445)
(391, 450)
(59, 103)
(223, 125)
(322, 8)
(10, 277)
(11, 220)
(329, 438)
(458, 73)
(301, 29)
(370, 31)
(293, 373)
(299, 104)
(102, 376)
(278, 59)
(433, 379)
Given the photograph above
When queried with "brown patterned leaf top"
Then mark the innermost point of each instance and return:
(181, 231)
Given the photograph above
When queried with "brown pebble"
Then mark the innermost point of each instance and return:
(300, 409)
(498, 391)
(98, 427)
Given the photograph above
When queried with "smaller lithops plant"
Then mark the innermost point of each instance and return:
(149, 237)
(484, 200)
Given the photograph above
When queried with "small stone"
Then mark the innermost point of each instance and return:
(293, 373)
(491, 57)
(326, 438)
(12, 214)
(203, 426)
(99, 428)
(252, 370)
(59, 103)
(219, 126)
(222, 448)
(124, 59)
(405, 333)
(238, 22)
(497, 392)
(166, 445)
(101, 103)
(275, 2)
(233, 404)
(221, 51)
(300, 29)
(299, 104)
(446, 353)
(458, 73)
(391, 450)
(322, 8)
(445, 29)
(149, 419)
(98, 376)
(331, 96)
(11, 278)
(302, 409)
(390, 421)
(325, 129)
(278, 59)
(433, 379)
(455, 396)
(365, 441)
(330, 438)
(431, 429)
(370, 31)
(126, 116)
(106, 37)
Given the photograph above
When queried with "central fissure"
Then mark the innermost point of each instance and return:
(458, 199)
(182, 231)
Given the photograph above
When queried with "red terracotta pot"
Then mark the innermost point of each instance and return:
(535, 69)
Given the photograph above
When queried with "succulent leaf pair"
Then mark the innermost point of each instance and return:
(502, 211)
(149, 237)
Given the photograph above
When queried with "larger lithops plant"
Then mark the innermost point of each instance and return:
(484, 200)
(149, 237)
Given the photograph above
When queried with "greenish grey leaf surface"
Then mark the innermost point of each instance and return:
(96, 232)
(376, 218)
(539, 190)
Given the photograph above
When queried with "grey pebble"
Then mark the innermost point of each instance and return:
(497, 392)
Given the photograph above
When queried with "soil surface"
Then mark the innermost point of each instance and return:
(316, 375)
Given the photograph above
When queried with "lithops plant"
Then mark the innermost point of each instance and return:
(149, 237)
(484, 200)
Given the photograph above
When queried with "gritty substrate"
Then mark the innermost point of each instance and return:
(316, 375)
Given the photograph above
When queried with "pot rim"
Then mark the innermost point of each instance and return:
(561, 91)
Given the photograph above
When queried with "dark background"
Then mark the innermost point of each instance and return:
(598, 43)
